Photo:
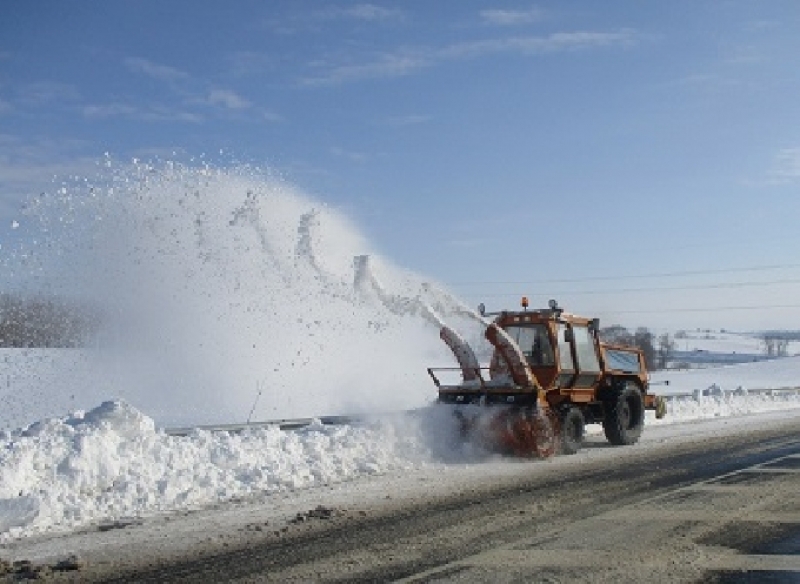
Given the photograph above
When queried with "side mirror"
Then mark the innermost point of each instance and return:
(567, 335)
(596, 325)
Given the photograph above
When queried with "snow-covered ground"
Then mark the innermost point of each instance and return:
(773, 374)
(717, 341)
(713, 348)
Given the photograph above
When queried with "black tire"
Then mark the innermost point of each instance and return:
(573, 426)
(624, 416)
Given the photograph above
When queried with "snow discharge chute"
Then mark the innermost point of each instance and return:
(366, 283)
(525, 432)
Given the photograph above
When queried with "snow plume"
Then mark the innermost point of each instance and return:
(216, 284)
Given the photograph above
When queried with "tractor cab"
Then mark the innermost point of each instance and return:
(562, 350)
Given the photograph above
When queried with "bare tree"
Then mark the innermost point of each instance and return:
(643, 339)
(775, 345)
(666, 347)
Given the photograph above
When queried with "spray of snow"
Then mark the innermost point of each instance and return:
(224, 291)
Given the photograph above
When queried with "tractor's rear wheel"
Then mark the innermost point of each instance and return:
(624, 415)
(572, 429)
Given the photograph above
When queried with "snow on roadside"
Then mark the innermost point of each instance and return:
(111, 463)
(717, 403)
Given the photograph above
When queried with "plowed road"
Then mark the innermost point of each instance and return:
(719, 504)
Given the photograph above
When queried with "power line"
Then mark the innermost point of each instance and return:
(657, 288)
(714, 309)
(631, 277)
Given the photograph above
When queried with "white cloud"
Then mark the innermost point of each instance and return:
(409, 120)
(148, 113)
(270, 116)
(47, 92)
(352, 156)
(315, 21)
(474, 242)
(407, 61)
(228, 99)
(392, 65)
(786, 166)
(111, 110)
(365, 12)
(249, 63)
(511, 17)
(222, 100)
(155, 70)
(192, 94)
(371, 12)
(765, 24)
(556, 42)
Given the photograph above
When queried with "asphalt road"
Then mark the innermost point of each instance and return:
(721, 509)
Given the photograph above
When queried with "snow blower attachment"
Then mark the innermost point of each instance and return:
(549, 376)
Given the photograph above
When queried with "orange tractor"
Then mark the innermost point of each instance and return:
(549, 376)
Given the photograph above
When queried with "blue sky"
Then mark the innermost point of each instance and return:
(637, 160)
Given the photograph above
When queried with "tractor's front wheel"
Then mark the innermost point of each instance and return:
(624, 416)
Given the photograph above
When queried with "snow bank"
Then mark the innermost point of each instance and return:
(112, 464)
(719, 404)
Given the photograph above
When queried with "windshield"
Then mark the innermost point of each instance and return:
(534, 342)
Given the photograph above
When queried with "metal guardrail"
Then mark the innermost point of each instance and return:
(709, 392)
(283, 424)
(298, 423)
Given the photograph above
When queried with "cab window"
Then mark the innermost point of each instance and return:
(564, 349)
(585, 350)
(535, 344)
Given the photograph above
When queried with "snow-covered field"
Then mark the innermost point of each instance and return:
(714, 348)
(717, 342)
(773, 374)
